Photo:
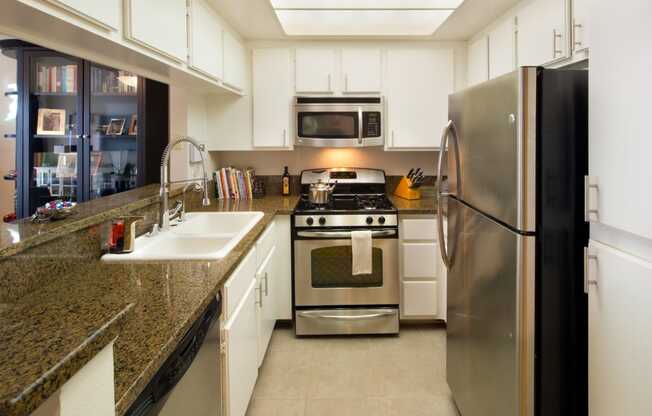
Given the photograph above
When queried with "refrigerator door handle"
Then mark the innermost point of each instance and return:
(449, 131)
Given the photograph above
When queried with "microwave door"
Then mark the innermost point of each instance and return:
(328, 128)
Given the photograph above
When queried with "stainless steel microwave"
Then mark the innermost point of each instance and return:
(339, 121)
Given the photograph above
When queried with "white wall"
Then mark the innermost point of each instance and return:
(231, 119)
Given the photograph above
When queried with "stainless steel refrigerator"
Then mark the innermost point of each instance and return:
(517, 311)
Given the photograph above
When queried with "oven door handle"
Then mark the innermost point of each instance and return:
(342, 234)
(318, 315)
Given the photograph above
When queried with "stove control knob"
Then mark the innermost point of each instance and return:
(322, 220)
(381, 220)
(369, 220)
(309, 220)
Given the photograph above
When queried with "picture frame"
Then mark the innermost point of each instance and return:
(116, 127)
(133, 125)
(51, 121)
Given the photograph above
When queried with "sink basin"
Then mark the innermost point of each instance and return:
(202, 236)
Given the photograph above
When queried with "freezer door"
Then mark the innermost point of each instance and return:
(496, 131)
(490, 334)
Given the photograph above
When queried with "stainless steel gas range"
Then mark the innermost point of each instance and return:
(328, 298)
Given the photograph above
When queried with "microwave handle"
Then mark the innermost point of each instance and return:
(360, 118)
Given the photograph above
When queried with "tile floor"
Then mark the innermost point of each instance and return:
(361, 376)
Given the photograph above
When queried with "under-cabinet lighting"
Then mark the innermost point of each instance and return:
(366, 4)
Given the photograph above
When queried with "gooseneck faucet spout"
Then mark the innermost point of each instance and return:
(164, 191)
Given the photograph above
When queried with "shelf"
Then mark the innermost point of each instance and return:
(113, 95)
(55, 94)
(54, 136)
(115, 136)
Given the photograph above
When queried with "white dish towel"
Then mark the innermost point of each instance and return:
(361, 252)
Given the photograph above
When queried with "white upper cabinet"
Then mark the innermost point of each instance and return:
(542, 32)
(235, 62)
(417, 85)
(272, 96)
(315, 69)
(581, 25)
(619, 115)
(160, 26)
(502, 53)
(103, 13)
(478, 61)
(361, 71)
(205, 40)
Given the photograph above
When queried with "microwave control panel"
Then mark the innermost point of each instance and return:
(371, 124)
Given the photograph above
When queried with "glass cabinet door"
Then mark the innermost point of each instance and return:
(113, 152)
(54, 128)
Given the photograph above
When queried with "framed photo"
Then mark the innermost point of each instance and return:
(116, 127)
(51, 121)
(133, 125)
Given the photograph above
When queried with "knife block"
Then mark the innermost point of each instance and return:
(403, 190)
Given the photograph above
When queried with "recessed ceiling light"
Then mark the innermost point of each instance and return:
(363, 17)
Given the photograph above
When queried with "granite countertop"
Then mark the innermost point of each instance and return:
(427, 205)
(51, 333)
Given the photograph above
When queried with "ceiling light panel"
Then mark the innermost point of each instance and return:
(366, 4)
(361, 22)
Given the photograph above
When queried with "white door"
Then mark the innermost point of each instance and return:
(502, 49)
(235, 62)
(282, 282)
(315, 69)
(160, 26)
(418, 82)
(581, 25)
(240, 337)
(619, 114)
(478, 61)
(361, 71)
(205, 40)
(266, 303)
(542, 32)
(620, 333)
(105, 13)
(272, 95)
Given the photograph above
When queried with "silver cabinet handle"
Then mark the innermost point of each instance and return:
(392, 139)
(556, 35)
(259, 292)
(577, 44)
(285, 138)
(346, 82)
(449, 131)
(313, 315)
(588, 256)
(342, 234)
(330, 88)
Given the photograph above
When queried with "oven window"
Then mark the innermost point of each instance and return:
(328, 125)
(331, 267)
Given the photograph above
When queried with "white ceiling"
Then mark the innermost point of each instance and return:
(256, 20)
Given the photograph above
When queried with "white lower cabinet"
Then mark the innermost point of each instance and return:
(240, 348)
(423, 277)
(620, 334)
(266, 303)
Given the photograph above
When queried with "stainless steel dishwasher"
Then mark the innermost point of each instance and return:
(188, 383)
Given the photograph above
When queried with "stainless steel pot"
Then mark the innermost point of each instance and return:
(320, 192)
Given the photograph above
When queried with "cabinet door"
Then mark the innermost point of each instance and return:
(502, 44)
(238, 283)
(272, 95)
(160, 26)
(315, 70)
(282, 282)
(542, 32)
(620, 334)
(420, 260)
(205, 54)
(361, 70)
(581, 25)
(419, 299)
(240, 337)
(105, 13)
(619, 115)
(418, 83)
(478, 61)
(267, 303)
(235, 66)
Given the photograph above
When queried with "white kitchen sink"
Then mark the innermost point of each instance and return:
(202, 236)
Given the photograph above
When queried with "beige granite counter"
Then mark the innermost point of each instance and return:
(427, 205)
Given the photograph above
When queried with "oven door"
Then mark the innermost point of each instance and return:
(323, 270)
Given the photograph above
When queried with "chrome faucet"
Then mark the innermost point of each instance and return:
(165, 214)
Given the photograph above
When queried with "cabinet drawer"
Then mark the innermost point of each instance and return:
(419, 299)
(265, 243)
(419, 260)
(237, 284)
(419, 229)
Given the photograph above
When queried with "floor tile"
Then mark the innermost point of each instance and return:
(346, 407)
(276, 407)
